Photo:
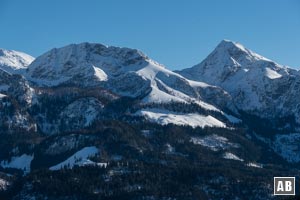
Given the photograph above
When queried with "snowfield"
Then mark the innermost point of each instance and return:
(22, 162)
(231, 156)
(191, 119)
(2, 96)
(232, 119)
(80, 158)
(272, 74)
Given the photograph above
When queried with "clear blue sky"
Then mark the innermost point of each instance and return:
(176, 33)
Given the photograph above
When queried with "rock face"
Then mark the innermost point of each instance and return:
(16, 96)
(256, 84)
(80, 113)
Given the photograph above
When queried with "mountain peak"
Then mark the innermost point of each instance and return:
(233, 59)
(14, 61)
(85, 61)
(247, 76)
(237, 51)
(228, 44)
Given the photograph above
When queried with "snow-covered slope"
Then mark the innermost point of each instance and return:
(14, 62)
(257, 85)
(191, 119)
(80, 158)
(231, 156)
(22, 162)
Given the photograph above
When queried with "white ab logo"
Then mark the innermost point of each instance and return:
(288, 186)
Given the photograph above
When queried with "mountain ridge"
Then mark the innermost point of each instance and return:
(100, 117)
(231, 78)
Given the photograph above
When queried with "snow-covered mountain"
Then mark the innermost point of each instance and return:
(125, 72)
(104, 113)
(14, 62)
(256, 84)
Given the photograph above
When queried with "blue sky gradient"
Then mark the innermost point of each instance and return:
(175, 33)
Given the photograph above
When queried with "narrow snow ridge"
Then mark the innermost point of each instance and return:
(2, 96)
(79, 158)
(232, 156)
(255, 165)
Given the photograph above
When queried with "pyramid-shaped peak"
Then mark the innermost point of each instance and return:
(237, 51)
(230, 45)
